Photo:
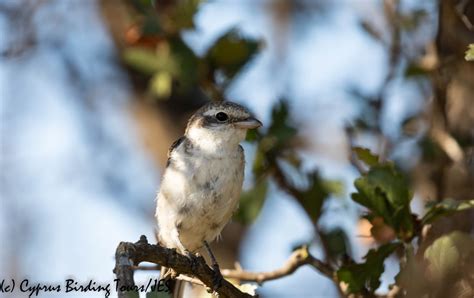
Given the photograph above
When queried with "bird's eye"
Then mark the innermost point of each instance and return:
(222, 116)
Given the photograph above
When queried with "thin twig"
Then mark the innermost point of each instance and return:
(147, 268)
(298, 258)
(448, 144)
(190, 279)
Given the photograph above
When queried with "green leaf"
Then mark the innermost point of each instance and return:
(335, 187)
(252, 135)
(445, 208)
(412, 20)
(251, 202)
(314, 196)
(384, 191)
(160, 84)
(142, 6)
(277, 138)
(470, 53)
(366, 156)
(337, 243)
(183, 14)
(231, 52)
(185, 64)
(151, 25)
(448, 253)
(143, 60)
(281, 129)
(414, 70)
(366, 275)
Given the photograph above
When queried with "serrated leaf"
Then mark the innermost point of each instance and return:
(470, 53)
(447, 253)
(366, 275)
(445, 208)
(366, 156)
(384, 191)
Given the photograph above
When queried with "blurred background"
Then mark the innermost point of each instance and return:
(93, 92)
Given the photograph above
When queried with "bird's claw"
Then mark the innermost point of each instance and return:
(217, 277)
(193, 260)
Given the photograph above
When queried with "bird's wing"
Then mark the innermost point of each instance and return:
(173, 147)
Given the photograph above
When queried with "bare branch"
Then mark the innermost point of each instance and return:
(129, 255)
(190, 279)
(448, 144)
(298, 258)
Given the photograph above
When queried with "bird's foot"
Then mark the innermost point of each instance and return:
(217, 277)
(193, 259)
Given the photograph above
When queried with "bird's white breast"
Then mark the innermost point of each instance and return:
(199, 193)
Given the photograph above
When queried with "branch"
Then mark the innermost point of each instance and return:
(298, 258)
(448, 144)
(129, 255)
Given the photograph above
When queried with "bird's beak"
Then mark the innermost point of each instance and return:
(248, 123)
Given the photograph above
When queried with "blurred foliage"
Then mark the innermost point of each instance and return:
(337, 243)
(275, 150)
(470, 53)
(448, 253)
(276, 141)
(156, 50)
(384, 191)
(444, 208)
(365, 277)
(251, 202)
(229, 54)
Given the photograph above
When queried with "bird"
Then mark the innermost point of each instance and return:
(202, 182)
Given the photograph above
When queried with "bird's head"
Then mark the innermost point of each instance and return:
(220, 124)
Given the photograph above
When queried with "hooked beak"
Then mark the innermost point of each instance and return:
(248, 123)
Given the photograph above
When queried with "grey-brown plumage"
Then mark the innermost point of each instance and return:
(202, 182)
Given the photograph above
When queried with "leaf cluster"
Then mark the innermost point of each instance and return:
(156, 50)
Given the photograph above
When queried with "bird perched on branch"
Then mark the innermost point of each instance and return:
(202, 182)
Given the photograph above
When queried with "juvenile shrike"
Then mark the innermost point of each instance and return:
(202, 182)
